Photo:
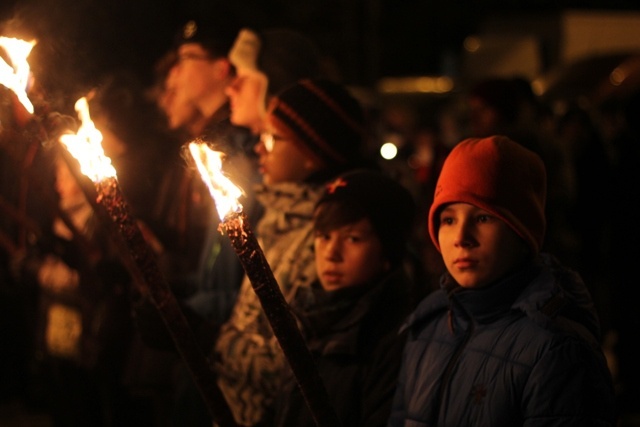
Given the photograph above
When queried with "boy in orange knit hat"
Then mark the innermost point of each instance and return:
(512, 337)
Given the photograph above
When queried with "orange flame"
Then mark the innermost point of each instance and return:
(224, 192)
(16, 77)
(86, 146)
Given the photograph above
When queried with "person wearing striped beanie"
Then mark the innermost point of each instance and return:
(512, 335)
(319, 124)
(314, 131)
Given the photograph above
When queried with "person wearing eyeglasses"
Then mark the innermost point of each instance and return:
(314, 130)
(199, 72)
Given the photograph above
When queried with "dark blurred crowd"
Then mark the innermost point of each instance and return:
(75, 324)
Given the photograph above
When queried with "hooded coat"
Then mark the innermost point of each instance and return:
(522, 352)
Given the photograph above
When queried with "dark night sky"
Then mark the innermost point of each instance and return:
(80, 40)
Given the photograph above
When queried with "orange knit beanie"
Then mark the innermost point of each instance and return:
(500, 176)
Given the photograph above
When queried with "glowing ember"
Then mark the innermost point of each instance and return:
(86, 146)
(224, 192)
(16, 76)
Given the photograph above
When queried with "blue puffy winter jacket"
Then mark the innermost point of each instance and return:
(523, 352)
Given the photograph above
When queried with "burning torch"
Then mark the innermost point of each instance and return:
(16, 77)
(86, 147)
(234, 222)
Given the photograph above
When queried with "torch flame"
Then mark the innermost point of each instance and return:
(86, 146)
(16, 77)
(224, 192)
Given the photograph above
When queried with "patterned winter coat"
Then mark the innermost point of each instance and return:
(247, 356)
(524, 352)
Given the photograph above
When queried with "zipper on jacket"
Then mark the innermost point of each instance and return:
(454, 358)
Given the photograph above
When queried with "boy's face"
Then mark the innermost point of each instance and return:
(477, 247)
(281, 159)
(349, 256)
(179, 109)
(196, 73)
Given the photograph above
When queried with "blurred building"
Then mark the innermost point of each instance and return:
(567, 55)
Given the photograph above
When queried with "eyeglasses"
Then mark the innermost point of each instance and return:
(269, 140)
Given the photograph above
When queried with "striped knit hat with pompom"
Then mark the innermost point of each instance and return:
(324, 119)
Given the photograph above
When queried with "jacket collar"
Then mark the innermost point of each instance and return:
(341, 316)
(550, 279)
